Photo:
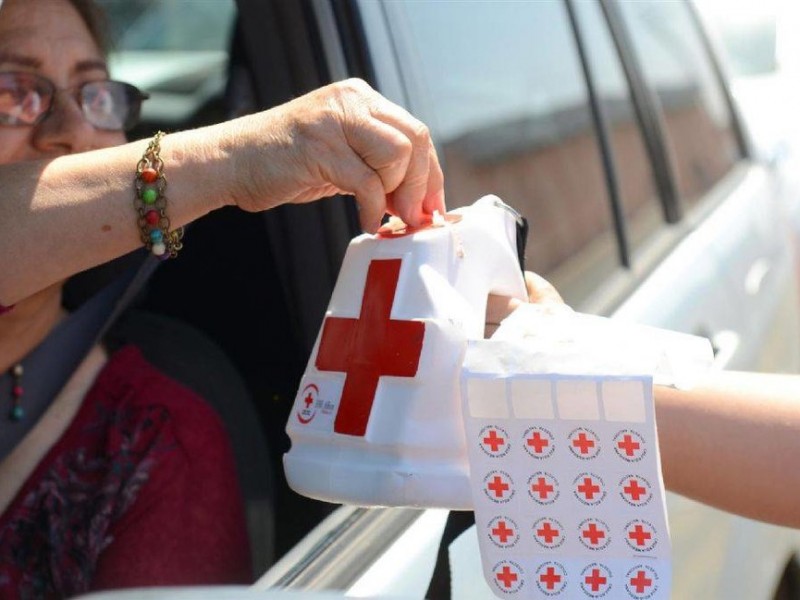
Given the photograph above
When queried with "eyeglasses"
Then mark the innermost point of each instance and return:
(27, 99)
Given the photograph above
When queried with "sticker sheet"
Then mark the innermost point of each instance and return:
(567, 487)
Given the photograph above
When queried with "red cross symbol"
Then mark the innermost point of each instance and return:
(506, 576)
(369, 347)
(582, 443)
(548, 532)
(628, 445)
(542, 488)
(537, 442)
(640, 535)
(588, 488)
(502, 532)
(498, 486)
(494, 440)
(595, 580)
(641, 582)
(550, 578)
(593, 534)
(634, 490)
(309, 400)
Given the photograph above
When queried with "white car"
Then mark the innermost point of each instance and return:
(609, 125)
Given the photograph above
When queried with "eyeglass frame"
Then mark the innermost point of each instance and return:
(135, 97)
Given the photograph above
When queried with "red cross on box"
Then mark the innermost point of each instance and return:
(502, 532)
(494, 441)
(506, 576)
(641, 582)
(550, 578)
(593, 534)
(369, 347)
(548, 532)
(595, 580)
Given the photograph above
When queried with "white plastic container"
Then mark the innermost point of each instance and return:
(376, 421)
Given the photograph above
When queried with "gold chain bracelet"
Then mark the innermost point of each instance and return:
(151, 204)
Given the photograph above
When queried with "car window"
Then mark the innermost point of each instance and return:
(637, 190)
(698, 122)
(510, 116)
(177, 51)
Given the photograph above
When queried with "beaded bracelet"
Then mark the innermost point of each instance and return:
(151, 204)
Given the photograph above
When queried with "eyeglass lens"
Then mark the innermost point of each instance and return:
(26, 99)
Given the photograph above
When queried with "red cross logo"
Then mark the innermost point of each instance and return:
(629, 445)
(502, 532)
(595, 580)
(494, 441)
(593, 534)
(506, 576)
(640, 582)
(370, 347)
(551, 577)
(583, 443)
(538, 442)
(498, 486)
(640, 535)
(309, 394)
(589, 489)
(635, 490)
(542, 487)
(548, 532)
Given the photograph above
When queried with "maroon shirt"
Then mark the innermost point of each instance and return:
(140, 490)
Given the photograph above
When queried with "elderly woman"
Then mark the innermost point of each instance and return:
(127, 478)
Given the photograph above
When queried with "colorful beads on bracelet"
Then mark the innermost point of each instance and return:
(151, 204)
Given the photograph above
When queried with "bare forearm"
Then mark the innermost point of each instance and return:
(734, 442)
(62, 216)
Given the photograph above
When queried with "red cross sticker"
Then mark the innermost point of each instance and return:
(369, 347)
(502, 532)
(640, 535)
(629, 445)
(636, 490)
(494, 441)
(538, 442)
(583, 443)
(640, 582)
(498, 486)
(508, 576)
(589, 489)
(593, 534)
(542, 488)
(551, 577)
(595, 580)
(548, 532)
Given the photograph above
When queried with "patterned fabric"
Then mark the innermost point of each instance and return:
(140, 490)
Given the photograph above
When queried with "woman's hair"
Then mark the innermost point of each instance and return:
(95, 20)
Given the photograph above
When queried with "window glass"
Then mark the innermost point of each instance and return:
(698, 123)
(177, 51)
(640, 201)
(501, 87)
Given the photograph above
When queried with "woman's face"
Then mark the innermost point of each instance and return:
(49, 38)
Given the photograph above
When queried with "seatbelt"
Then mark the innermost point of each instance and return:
(48, 367)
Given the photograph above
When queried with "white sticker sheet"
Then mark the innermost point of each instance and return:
(567, 486)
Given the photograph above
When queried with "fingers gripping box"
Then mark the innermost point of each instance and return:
(377, 418)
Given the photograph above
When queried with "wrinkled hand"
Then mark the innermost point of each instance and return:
(499, 307)
(342, 138)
